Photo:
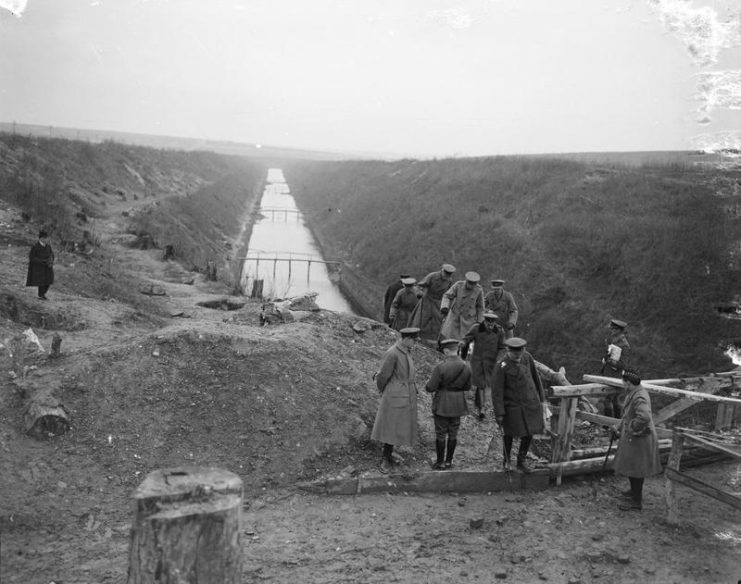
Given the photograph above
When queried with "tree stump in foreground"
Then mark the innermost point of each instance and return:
(186, 528)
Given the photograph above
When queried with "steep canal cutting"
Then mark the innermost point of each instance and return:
(283, 255)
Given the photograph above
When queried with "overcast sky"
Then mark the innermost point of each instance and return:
(417, 77)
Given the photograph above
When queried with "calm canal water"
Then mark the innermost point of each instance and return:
(283, 254)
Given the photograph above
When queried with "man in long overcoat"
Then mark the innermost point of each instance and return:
(488, 348)
(388, 297)
(518, 397)
(637, 454)
(41, 265)
(463, 306)
(396, 418)
(448, 382)
(426, 315)
(502, 303)
(403, 304)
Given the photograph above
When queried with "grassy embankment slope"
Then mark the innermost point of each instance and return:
(577, 243)
(195, 201)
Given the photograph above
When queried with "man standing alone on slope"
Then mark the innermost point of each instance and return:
(41, 265)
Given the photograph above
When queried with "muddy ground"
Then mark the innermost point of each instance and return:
(156, 381)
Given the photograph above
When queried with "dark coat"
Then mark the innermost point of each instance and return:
(503, 306)
(518, 395)
(388, 298)
(488, 348)
(426, 315)
(401, 307)
(638, 449)
(40, 265)
(396, 419)
(448, 381)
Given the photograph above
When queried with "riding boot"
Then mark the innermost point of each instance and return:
(452, 443)
(522, 454)
(440, 451)
(478, 401)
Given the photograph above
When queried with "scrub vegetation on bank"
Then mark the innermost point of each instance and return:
(194, 201)
(578, 243)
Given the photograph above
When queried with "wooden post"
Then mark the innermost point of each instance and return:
(186, 528)
(724, 417)
(566, 420)
(56, 346)
(675, 458)
(257, 289)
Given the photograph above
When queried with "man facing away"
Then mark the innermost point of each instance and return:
(448, 382)
(518, 398)
(396, 418)
(502, 303)
(488, 348)
(426, 315)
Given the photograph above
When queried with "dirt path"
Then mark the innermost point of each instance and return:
(281, 405)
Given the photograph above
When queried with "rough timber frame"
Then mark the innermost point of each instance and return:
(694, 390)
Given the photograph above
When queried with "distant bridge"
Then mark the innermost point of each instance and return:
(267, 257)
(280, 212)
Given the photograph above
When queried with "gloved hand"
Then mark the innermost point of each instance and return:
(444, 311)
(615, 434)
(500, 420)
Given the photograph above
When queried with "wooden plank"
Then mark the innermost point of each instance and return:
(435, 482)
(666, 390)
(584, 390)
(581, 453)
(735, 452)
(702, 487)
(674, 462)
(679, 406)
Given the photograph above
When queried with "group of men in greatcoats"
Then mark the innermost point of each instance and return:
(444, 309)
(517, 393)
(500, 362)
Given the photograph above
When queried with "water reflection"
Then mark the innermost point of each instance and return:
(282, 252)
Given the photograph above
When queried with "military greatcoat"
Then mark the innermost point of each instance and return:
(40, 265)
(517, 393)
(488, 348)
(638, 449)
(396, 419)
(502, 303)
(466, 309)
(401, 308)
(426, 315)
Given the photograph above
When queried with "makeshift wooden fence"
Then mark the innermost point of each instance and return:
(567, 461)
(566, 414)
